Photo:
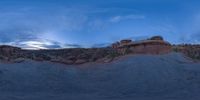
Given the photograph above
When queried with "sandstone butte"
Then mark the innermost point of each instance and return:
(154, 45)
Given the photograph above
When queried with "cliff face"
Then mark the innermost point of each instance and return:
(154, 45)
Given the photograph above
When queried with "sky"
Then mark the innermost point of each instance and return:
(43, 24)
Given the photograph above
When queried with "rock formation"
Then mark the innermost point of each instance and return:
(9, 52)
(124, 42)
(156, 38)
(154, 45)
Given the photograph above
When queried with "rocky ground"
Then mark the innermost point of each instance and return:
(66, 56)
(192, 51)
(80, 55)
(154, 45)
(133, 77)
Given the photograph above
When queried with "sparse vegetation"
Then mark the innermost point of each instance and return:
(193, 51)
(114, 54)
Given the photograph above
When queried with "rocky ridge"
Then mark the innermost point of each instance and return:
(154, 45)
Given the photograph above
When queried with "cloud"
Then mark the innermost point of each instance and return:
(72, 46)
(195, 38)
(67, 24)
(126, 17)
(40, 44)
(29, 24)
(10, 35)
(101, 45)
(36, 44)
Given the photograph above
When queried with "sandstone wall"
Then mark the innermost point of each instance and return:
(151, 49)
(146, 47)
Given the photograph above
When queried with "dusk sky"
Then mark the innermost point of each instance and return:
(90, 23)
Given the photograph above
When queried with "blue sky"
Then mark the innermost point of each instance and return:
(91, 23)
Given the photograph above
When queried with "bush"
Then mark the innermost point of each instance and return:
(113, 54)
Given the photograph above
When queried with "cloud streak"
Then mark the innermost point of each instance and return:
(126, 17)
(41, 44)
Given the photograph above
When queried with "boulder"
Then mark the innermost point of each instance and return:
(71, 57)
(83, 56)
(69, 62)
(156, 38)
(105, 60)
(80, 61)
(115, 45)
(41, 57)
(125, 41)
(19, 60)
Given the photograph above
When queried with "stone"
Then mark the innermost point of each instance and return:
(71, 57)
(115, 45)
(80, 61)
(105, 60)
(156, 38)
(69, 62)
(125, 41)
(19, 60)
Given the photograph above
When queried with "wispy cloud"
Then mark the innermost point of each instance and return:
(126, 17)
(196, 38)
(101, 45)
(40, 44)
(72, 46)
